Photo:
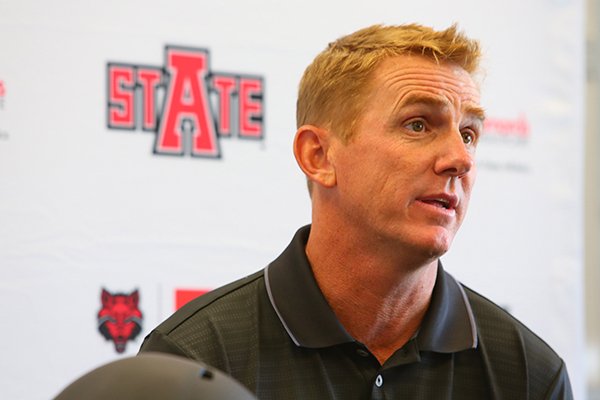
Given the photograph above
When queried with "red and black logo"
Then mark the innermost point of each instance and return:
(187, 105)
(120, 318)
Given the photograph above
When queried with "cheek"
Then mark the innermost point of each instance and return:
(469, 181)
(467, 186)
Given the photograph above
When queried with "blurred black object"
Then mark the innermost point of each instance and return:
(155, 376)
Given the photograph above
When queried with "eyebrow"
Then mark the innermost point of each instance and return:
(474, 111)
(477, 112)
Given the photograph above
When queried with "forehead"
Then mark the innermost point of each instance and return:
(404, 75)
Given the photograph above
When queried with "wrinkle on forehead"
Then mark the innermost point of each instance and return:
(419, 80)
(422, 63)
(435, 80)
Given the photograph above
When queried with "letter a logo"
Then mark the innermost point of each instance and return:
(186, 112)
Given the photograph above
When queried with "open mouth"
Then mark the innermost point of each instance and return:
(441, 203)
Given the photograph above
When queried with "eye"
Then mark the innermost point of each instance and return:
(416, 125)
(469, 137)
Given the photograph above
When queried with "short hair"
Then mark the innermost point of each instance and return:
(332, 89)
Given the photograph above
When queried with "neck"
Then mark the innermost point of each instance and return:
(380, 296)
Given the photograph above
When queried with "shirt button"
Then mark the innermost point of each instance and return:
(379, 381)
(362, 352)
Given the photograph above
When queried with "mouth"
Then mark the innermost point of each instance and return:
(443, 201)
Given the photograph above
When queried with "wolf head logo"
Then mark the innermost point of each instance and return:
(120, 319)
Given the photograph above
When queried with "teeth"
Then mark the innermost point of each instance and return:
(443, 202)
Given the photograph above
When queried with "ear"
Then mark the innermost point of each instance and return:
(105, 297)
(312, 151)
(135, 297)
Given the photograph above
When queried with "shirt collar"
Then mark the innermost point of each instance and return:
(448, 325)
(298, 301)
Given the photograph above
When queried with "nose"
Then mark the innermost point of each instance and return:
(456, 158)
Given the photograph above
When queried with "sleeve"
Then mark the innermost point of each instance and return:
(561, 386)
(156, 341)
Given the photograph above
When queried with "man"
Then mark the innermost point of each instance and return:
(358, 306)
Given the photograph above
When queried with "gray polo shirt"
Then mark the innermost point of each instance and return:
(275, 333)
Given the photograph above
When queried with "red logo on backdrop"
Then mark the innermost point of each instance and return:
(518, 127)
(186, 104)
(184, 296)
(2, 93)
(120, 318)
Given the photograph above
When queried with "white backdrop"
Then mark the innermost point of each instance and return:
(85, 207)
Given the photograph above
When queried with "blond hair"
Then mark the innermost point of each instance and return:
(333, 87)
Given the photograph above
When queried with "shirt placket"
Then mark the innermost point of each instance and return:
(383, 385)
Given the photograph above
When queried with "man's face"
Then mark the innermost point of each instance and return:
(406, 176)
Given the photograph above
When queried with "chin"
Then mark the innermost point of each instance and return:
(429, 243)
(436, 247)
(437, 252)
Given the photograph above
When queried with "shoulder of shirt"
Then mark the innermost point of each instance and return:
(513, 353)
(204, 302)
(495, 323)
